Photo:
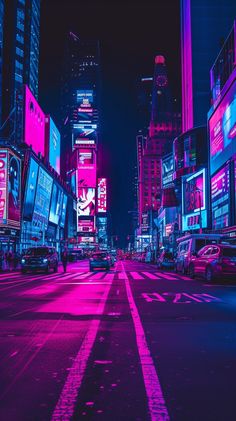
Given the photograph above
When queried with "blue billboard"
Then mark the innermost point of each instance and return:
(56, 204)
(63, 211)
(30, 189)
(42, 200)
(54, 146)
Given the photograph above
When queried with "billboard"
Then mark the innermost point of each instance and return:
(145, 223)
(14, 190)
(34, 124)
(56, 204)
(30, 189)
(63, 211)
(222, 129)
(3, 186)
(86, 225)
(220, 198)
(54, 146)
(42, 200)
(167, 170)
(102, 195)
(86, 168)
(84, 98)
(194, 200)
(86, 202)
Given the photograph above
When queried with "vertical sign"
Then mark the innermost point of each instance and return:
(3, 187)
(102, 195)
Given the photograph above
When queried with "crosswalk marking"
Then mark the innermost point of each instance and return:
(109, 277)
(136, 275)
(168, 277)
(98, 275)
(150, 275)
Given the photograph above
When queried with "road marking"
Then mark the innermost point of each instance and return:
(84, 275)
(120, 275)
(136, 275)
(156, 402)
(66, 404)
(150, 275)
(167, 276)
(98, 275)
(109, 277)
(179, 298)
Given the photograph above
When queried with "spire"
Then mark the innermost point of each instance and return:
(161, 103)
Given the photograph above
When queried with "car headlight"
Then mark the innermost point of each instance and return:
(22, 260)
(45, 260)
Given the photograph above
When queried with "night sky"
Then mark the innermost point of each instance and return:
(131, 33)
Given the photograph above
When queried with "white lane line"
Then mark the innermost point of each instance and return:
(83, 283)
(156, 402)
(150, 275)
(136, 276)
(84, 275)
(66, 404)
(167, 276)
(98, 275)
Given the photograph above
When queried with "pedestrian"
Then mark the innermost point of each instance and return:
(64, 259)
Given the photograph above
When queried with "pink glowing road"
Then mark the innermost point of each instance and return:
(133, 343)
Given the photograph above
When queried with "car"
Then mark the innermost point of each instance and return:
(100, 260)
(214, 261)
(40, 258)
(166, 260)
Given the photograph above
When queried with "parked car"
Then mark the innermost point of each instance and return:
(40, 258)
(166, 260)
(214, 261)
(100, 260)
(190, 244)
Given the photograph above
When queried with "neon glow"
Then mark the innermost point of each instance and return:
(220, 190)
(30, 189)
(56, 204)
(3, 187)
(194, 198)
(54, 146)
(34, 133)
(86, 202)
(86, 176)
(102, 195)
(42, 200)
(86, 225)
(14, 190)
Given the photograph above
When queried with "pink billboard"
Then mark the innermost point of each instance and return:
(3, 186)
(34, 130)
(86, 168)
(86, 225)
(102, 195)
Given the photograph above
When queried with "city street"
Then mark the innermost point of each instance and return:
(133, 343)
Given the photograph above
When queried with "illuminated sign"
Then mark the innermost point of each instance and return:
(222, 128)
(86, 225)
(56, 204)
(84, 97)
(14, 190)
(30, 189)
(86, 202)
(86, 176)
(3, 187)
(194, 201)
(102, 195)
(167, 170)
(42, 200)
(86, 239)
(34, 133)
(220, 192)
(86, 142)
(54, 146)
(63, 211)
(145, 222)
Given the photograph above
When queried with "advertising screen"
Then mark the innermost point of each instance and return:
(14, 190)
(86, 168)
(222, 128)
(145, 225)
(54, 146)
(84, 133)
(42, 199)
(167, 170)
(3, 187)
(102, 195)
(30, 189)
(86, 202)
(34, 133)
(194, 200)
(63, 211)
(220, 191)
(86, 225)
(84, 98)
(56, 204)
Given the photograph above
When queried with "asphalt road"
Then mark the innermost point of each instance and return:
(130, 344)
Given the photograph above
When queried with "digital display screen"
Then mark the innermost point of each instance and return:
(14, 190)
(30, 189)
(86, 168)
(54, 146)
(3, 187)
(86, 202)
(86, 225)
(194, 193)
(167, 171)
(145, 222)
(102, 195)
(56, 204)
(222, 128)
(84, 98)
(42, 199)
(63, 211)
(220, 190)
(34, 133)
(84, 133)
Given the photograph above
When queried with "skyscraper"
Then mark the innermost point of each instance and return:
(20, 52)
(1, 51)
(204, 25)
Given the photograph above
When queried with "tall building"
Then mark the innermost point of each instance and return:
(1, 52)
(20, 53)
(204, 26)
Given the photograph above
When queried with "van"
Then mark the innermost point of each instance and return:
(190, 245)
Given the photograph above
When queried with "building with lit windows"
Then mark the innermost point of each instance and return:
(20, 57)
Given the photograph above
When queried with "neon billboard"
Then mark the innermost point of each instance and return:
(34, 125)
(54, 146)
(42, 200)
(86, 176)
(194, 201)
(56, 204)
(86, 202)
(102, 195)
(86, 225)
(222, 128)
(3, 186)
(220, 198)
(14, 190)
(167, 170)
(30, 189)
